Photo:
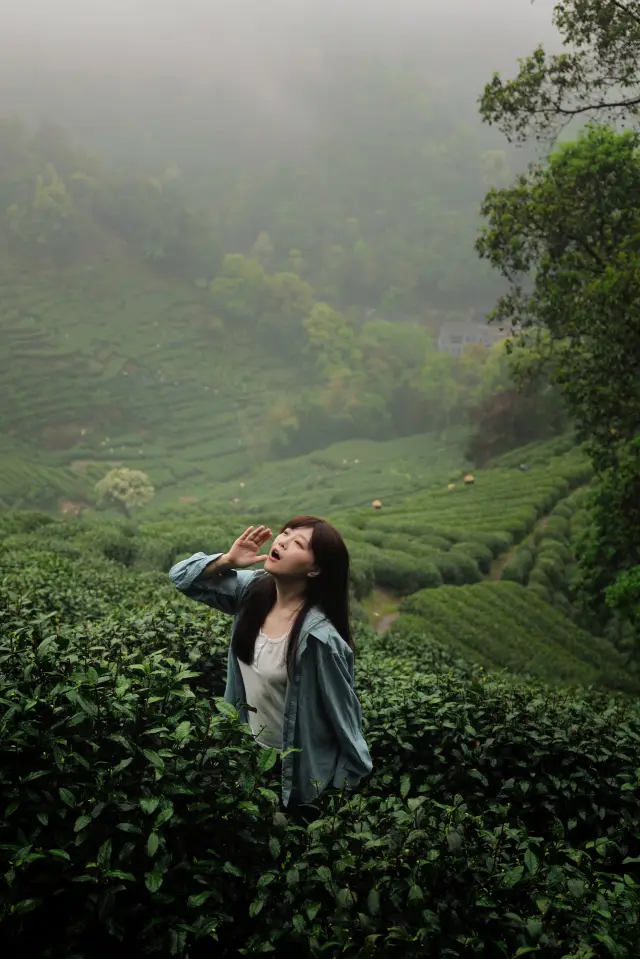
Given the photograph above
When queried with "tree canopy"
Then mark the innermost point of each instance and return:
(565, 237)
(595, 77)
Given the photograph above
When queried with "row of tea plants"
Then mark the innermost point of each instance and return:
(505, 626)
(501, 819)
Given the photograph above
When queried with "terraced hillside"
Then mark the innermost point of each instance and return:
(438, 536)
(438, 548)
(505, 626)
(89, 379)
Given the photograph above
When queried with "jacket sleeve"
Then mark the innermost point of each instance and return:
(336, 680)
(222, 590)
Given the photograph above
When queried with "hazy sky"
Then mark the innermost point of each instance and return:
(110, 69)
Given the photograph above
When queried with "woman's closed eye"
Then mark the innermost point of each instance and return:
(298, 542)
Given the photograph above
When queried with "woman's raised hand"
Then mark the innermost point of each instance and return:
(244, 551)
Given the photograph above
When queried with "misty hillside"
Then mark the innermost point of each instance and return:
(231, 235)
(196, 326)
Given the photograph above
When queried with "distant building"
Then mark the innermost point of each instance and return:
(456, 334)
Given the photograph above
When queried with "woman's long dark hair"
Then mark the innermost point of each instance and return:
(329, 591)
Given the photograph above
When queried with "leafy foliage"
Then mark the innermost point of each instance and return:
(134, 808)
(504, 626)
(573, 223)
(127, 489)
(595, 77)
(572, 226)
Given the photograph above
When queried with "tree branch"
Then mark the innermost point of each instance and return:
(627, 11)
(596, 106)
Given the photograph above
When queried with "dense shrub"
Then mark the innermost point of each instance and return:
(497, 542)
(404, 574)
(505, 626)
(519, 566)
(477, 552)
(136, 813)
(456, 568)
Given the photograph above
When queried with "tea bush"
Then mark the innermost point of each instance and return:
(545, 561)
(136, 812)
(502, 625)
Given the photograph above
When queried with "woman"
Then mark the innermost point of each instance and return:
(291, 652)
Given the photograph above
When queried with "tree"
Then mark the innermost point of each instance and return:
(126, 489)
(440, 389)
(288, 300)
(513, 417)
(46, 217)
(567, 239)
(596, 77)
(611, 550)
(262, 250)
(241, 288)
(332, 341)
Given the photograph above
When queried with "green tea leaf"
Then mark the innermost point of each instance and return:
(274, 846)
(67, 797)
(26, 905)
(373, 902)
(345, 898)
(415, 894)
(182, 731)
(164, 815)
(121, 765)
(153, 880)
(534, 929)
(152, 843)
(154, 758)
(256, 907)
(60, 854)
(454, 840)
(104, 854)
(199, 899)
(268, 759)
(313, 910)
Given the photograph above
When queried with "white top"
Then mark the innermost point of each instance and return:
(265, 686)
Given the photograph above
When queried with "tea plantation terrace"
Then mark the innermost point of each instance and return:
(501, 817)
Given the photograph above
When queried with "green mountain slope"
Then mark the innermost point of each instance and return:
(115, 364)
(505, 626)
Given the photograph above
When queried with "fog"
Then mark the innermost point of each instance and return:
(208, 78)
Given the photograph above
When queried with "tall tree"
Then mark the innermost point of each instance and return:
(567, 238)
(596, 77)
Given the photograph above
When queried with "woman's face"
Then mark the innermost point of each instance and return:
(291, 555)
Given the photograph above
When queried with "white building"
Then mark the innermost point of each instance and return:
(456, 334)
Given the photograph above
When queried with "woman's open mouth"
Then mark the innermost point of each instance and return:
(274, 554)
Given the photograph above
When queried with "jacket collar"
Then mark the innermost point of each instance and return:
(316, 623)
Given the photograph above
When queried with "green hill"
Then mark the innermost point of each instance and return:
(443, 548)
(115, 364)
(505, 626)
(131, 334)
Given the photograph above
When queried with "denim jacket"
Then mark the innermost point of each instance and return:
(322, 714)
